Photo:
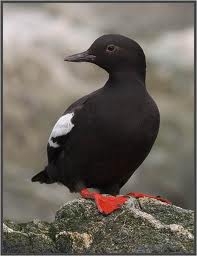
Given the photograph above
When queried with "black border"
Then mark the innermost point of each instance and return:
(96, 1)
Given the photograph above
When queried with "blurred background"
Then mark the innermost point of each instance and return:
(39, 86)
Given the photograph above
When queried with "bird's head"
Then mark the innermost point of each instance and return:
(113, 53)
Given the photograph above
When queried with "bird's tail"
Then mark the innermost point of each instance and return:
(42, 177)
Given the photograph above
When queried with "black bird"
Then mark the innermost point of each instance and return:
(102, 138)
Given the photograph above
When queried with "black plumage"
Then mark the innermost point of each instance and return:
(114, 128)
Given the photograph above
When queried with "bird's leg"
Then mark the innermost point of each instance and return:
(85, 193)
(106, 204)
(140, 195)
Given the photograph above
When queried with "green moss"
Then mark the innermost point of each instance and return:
(41, 244)
(64, 244)
(170, 214)
(16, 242)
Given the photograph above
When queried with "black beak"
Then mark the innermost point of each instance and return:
(81, 57)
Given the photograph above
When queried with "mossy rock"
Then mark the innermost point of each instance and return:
(140, 226)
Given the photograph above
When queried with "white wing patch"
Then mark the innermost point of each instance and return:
(62, 127)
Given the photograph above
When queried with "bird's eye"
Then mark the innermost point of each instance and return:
(110, 48)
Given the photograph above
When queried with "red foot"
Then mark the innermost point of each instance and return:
(85, 193)
(108, 204)
(105, 204)
(138, 195)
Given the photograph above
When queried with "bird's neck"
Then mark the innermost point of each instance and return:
(127, 76)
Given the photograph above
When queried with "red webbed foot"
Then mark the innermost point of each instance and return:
(140, 195)
(106, 204)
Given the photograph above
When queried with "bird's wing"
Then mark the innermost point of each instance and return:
(63, 127)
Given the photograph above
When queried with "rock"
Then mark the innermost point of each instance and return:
(140, 226)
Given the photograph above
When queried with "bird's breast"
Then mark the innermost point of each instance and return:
(126, 117)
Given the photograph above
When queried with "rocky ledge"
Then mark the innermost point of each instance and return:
(140, 226)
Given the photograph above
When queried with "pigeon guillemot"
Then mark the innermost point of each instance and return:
(102, 138)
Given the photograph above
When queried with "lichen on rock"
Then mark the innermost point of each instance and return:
(140, 226)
